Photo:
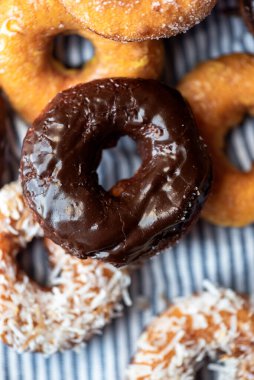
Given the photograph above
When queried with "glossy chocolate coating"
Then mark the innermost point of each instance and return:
(138, 216)
(247, 11)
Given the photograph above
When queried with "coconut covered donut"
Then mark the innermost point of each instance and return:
(83, 295)
(140, 19)
(4, 120)
(29, 74)
(221, 94)
(216, 324)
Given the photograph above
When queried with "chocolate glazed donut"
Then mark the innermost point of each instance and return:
(138, 216)
(247, 12)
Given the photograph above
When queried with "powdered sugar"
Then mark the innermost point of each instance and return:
(140, 19)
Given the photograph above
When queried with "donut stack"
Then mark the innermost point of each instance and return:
(95, 238)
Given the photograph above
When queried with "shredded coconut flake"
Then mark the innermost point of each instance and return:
(83, 297)
(214, 322)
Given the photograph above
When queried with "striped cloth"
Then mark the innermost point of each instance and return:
(224, 256)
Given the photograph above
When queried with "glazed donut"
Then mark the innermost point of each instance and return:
(247, 12)
(140, 19)
(31, 77)
(83, 295)
(149, 211)
(231, 200)
(216, 323)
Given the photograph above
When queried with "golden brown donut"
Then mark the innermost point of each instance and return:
(217, 322)
(140, 19)
(29, 74)
(221, 94)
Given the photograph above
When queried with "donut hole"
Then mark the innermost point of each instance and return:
(240, 143)
(33, 260)
(118, 163)
(207, 371)
(72, 51)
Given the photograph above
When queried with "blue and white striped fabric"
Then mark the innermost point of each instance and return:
(224, 256)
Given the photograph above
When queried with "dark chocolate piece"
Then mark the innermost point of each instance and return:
(247, 12)
(138, 216)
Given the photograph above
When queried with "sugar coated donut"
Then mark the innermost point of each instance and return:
(217, 323)
(247, 12)
(138, 216)
(83, 295)
(29, 74)
(140, 19)
(221, 94)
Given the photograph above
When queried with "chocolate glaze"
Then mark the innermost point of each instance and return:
(138, 216)
(247, 12)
